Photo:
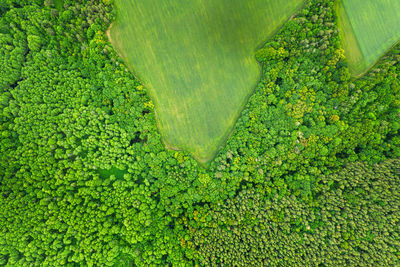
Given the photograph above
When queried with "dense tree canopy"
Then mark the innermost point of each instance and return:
(351, 221)
(309, 175)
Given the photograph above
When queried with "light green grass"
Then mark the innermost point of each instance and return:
(196, 58)
(369, 28)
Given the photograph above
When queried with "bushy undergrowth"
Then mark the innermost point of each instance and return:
(86, 180)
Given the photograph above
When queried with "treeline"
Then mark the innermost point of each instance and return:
(86, 180)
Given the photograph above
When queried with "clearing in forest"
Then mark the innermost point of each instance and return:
(368, 29)
(196, 58)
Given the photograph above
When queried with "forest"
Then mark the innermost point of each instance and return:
(309, 175)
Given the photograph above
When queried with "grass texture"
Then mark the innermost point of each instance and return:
(368, 29)
(196, 58)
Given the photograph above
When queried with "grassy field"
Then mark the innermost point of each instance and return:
(368, 30)
(196, 58)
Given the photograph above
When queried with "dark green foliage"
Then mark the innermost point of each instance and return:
(353, 221)
(85, 178)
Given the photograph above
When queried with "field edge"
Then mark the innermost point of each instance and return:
(203, 161)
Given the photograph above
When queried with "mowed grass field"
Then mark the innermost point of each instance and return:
(368, 29)
(197, 60)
